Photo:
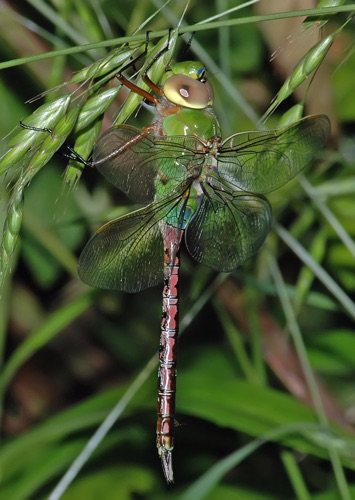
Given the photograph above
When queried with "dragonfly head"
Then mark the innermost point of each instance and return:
(186, 85)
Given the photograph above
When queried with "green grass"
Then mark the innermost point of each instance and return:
(266, 365)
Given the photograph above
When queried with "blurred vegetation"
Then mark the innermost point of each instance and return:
(266, 362)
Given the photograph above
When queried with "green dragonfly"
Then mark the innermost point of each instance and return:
(198, 185)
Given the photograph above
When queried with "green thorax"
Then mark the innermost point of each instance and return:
(185, 110)
(195, 122)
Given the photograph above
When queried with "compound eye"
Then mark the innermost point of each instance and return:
(185, 91)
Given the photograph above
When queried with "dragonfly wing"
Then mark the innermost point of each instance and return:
(263, 161)
(141, 164)
(127, 253)
(126, 156)
(228, 228)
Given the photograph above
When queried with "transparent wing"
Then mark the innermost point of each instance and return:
(140, 164)
(128, 253)
(126, 158)
(228, 228)
(263, 161)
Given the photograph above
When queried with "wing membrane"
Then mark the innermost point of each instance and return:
(138, 163)
(261, 162)
(128, 253)
(126, 158)
(228, 228)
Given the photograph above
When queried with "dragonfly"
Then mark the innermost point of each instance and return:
(195, 185)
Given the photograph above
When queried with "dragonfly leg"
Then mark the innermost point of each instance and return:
(72, 155)
(36, 129)
(134, 60)
(127, 83)
(153, 86)
(145, 76)
(137, 90)
(187, 47)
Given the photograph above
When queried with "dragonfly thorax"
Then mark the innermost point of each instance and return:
(199, 123)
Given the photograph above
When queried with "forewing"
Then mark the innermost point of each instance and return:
(141, 164)
(127, 253)
(228, 228)
(261, 162)
(126, 157)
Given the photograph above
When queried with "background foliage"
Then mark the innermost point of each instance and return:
(255, 420)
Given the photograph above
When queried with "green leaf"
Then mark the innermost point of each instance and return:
(256, 410)
(117, 482)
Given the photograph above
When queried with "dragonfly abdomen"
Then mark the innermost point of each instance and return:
(167, 352)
